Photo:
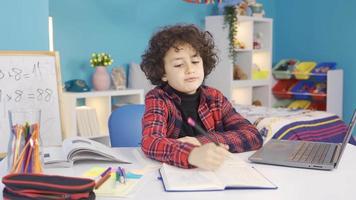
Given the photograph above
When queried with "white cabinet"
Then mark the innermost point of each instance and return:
(257, 86)
(103, 101)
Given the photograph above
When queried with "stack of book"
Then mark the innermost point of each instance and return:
(87, 121)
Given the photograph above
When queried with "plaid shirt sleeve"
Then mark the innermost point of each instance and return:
(156, 143)
(239, 134)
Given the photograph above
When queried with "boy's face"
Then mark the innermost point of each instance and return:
(184, 69)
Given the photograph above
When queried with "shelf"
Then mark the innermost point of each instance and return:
(251, 30)
(102, 101)
(250, 83)
(300, 93)
(103, 93)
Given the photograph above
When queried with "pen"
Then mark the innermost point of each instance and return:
(123, 174)
(119, 175)
(102, 180)
(192, 123)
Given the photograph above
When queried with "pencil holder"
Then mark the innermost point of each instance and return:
(24, 148)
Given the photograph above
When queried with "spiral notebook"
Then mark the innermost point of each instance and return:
(233, 174)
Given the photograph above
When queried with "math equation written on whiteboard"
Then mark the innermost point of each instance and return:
(17, 95)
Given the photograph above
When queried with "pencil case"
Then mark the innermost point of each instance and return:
(41, 186)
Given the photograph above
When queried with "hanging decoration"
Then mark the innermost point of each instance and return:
(203, 1)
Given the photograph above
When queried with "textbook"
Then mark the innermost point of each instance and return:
(79, 149)
(233, 174)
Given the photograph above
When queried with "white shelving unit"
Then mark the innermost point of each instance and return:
(102, 101)
(242, 91)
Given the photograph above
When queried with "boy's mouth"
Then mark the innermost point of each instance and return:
(191, 79)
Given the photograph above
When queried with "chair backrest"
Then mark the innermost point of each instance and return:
(125, 127)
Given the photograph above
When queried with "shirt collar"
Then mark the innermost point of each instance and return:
(175, 97)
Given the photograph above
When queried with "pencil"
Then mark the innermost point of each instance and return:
(102, 180)
(192, 123)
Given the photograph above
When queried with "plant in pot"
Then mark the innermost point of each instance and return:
(101, 78)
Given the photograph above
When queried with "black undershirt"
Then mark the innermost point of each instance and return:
(189, 108)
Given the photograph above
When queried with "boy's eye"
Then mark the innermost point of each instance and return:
(178, 65)
(196, 62)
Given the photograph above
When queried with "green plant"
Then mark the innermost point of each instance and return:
(100, 59)
(230, 20)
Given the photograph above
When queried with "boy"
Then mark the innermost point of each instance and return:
(178, 60)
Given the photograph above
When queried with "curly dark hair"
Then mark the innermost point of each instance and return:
(170, 36)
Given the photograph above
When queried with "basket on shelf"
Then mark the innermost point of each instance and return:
(303, 69)
(320, 71)
(302, 90)
(282, 88)
(282, 103)
(299, 104)
(284, 68)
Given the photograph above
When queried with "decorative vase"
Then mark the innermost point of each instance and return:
(101, 78)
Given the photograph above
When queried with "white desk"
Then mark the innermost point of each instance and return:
(293, 183)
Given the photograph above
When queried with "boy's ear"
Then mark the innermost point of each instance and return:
(164, 78)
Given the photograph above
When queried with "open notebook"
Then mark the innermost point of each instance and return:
(234, 173)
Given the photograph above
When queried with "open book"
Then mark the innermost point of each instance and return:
(79, 149)
(234, 173)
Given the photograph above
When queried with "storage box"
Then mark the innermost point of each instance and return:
(282, 88)
(317, 106)
(303, 69)
(320, 71)
(299, 104)
(259, 75)
(282, 103)
(284, 69)
(302, 90)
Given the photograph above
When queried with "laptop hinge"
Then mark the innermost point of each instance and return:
(336, 154)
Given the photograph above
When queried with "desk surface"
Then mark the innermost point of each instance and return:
(293, 183)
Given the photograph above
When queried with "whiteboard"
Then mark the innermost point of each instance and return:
(31, 79)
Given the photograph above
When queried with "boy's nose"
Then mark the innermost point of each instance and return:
(190, 68)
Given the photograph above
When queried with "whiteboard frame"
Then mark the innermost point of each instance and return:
(54, 54)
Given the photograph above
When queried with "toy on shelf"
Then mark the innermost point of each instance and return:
(239, 74)
(257, 44)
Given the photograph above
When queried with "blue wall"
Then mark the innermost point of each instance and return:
(121, 28)
(24, 25)
(320, 30)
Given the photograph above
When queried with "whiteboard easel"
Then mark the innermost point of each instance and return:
(31, 79)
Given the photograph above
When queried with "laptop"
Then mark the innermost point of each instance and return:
(303, 154)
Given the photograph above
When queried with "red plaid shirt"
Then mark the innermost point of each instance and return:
(162, 121)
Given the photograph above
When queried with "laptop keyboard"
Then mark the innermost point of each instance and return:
(310, 152)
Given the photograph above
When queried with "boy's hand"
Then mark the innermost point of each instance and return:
(191, 140)
(208, 156)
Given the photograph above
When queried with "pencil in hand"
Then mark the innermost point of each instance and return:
(192, 123)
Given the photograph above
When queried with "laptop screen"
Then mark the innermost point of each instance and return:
(347, 135)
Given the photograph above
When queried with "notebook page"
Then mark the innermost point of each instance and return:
(237, 173)
(179, 179)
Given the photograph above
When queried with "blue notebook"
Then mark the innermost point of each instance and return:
(233, 174)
